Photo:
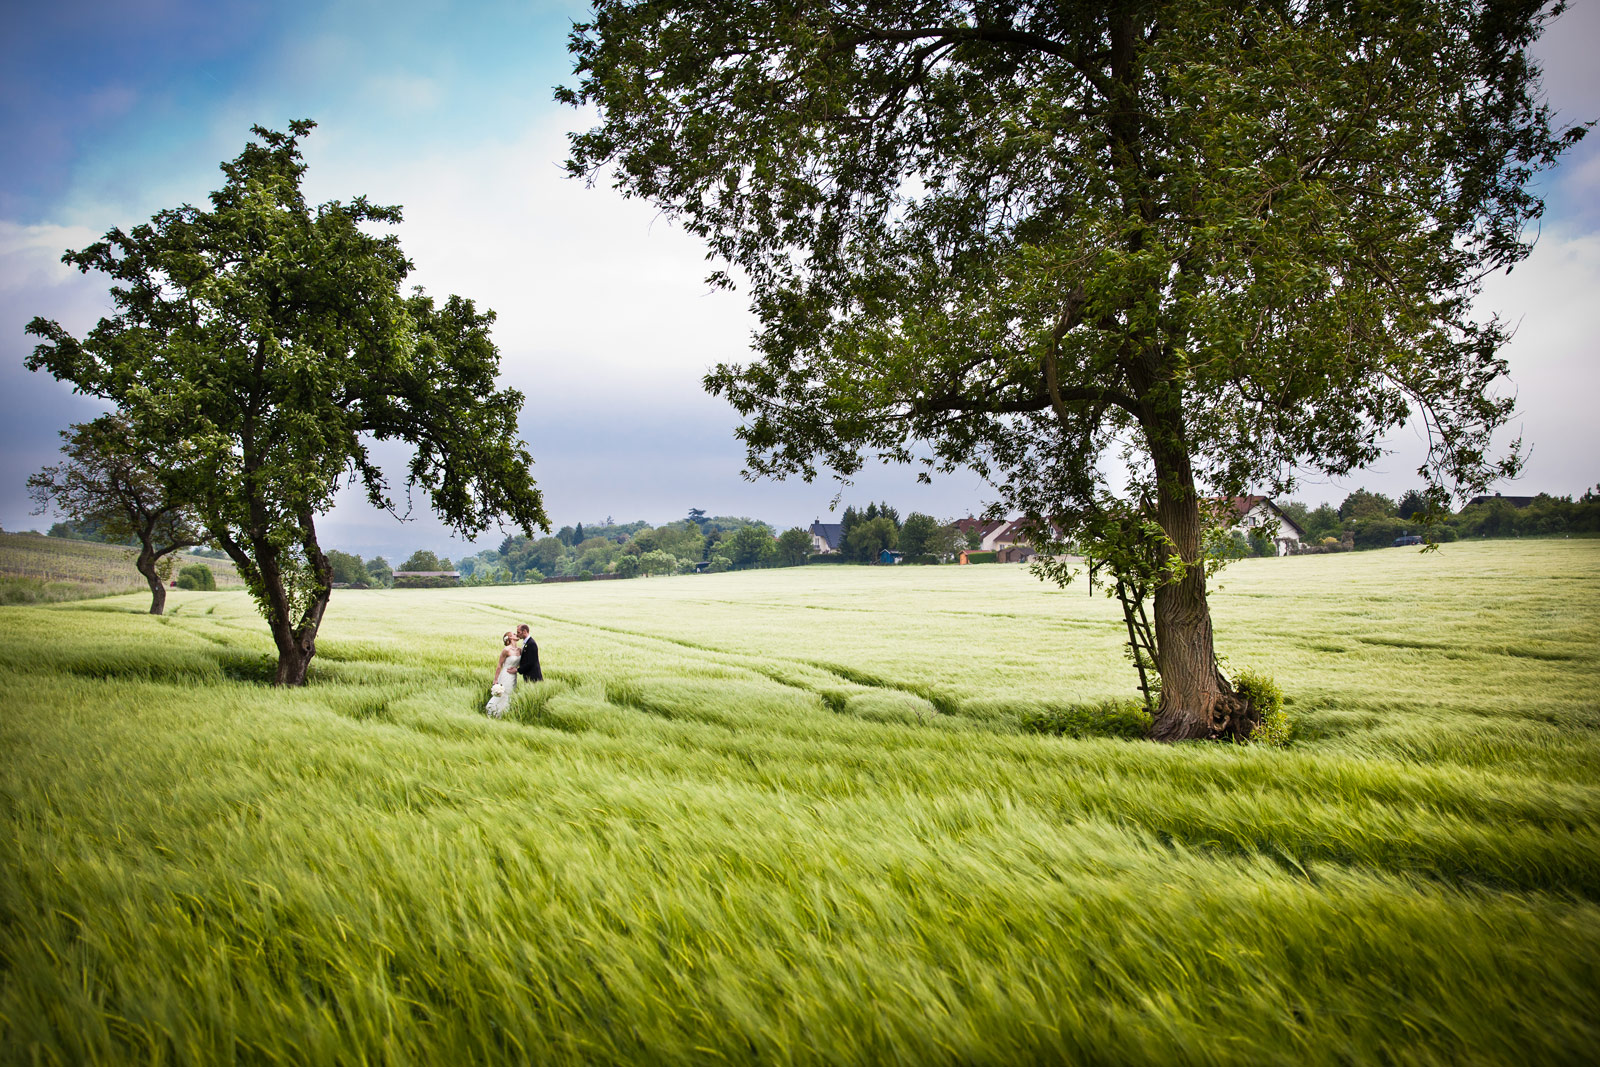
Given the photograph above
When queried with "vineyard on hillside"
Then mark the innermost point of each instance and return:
(36, 569)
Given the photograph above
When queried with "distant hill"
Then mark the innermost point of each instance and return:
(34, 568)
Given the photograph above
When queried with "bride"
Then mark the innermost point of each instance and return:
(505, 677)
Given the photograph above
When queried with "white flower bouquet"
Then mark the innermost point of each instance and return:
(498, 689)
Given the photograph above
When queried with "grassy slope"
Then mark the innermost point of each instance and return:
(34, 568)
(736, 825)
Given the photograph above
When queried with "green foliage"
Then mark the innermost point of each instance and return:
(1266, 698)
(1364, 505)
(794, 546)
(1545, 516)
(196, 576)
(1044, 242)
(983, 557)
(751, 546)
(1378, 531)
(868, 538)
(719, 564)
(260, 346)
(1110, 718)
(380, 572)
(915, 533)
(348, 569)
(944, 543)
(117, 483)
(424, 560)
(431, 581)
(658, 562)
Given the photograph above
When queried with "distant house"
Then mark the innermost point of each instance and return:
(1252, 513)
(1008, 535)
(986, 531)
(890, 557)
(1015, 553)
(1514, 501)
(426, 579)
(826, 536)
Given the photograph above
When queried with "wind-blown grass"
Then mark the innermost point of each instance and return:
(790, 817)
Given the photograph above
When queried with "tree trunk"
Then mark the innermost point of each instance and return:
(294, 656)
(158, 589)
(1196, 700)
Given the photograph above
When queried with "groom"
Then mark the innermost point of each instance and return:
(529, 668)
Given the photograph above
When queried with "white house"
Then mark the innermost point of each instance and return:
(1251, 513)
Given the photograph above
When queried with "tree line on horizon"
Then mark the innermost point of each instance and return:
(1362, 520)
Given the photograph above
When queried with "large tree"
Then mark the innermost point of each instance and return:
(1219, 240)
(263, 345)
(110, 479)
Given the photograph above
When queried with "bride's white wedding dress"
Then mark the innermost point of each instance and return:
(507, 681)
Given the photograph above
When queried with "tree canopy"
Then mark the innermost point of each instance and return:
(112, 482)
(1172, 249)
(264, 345)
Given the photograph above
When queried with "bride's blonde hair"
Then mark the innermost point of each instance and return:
(509, 637)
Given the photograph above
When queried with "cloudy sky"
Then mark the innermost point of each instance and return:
(111, 112)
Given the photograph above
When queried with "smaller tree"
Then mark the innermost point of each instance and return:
(794, 547)
(657, 561)
(1413, 504)
(266, 345)
(870, 538)
(1364, 505)
(946, 542)
(381, 573)
(423, 560)
(1322, 521)
(109, 481)
(751, 546)
(348, 569)
(914, 533)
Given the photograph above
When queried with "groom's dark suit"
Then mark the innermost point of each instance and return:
(529, 668)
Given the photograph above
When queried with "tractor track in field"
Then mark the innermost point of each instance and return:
(846, 676)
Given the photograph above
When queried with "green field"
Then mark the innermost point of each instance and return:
(35, 569)
(789, 817)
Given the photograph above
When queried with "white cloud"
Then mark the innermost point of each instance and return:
(30, 256)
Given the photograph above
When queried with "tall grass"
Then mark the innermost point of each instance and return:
(790, 817)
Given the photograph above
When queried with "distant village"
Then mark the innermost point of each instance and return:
(878, 536)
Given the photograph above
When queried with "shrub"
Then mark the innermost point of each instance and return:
(196, 576)
(1109, 718)
(983, 557)
(719, 564)
(1267, 699)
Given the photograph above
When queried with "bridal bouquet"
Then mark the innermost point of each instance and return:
(498, 689)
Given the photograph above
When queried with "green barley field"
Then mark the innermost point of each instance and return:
(789, 817)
